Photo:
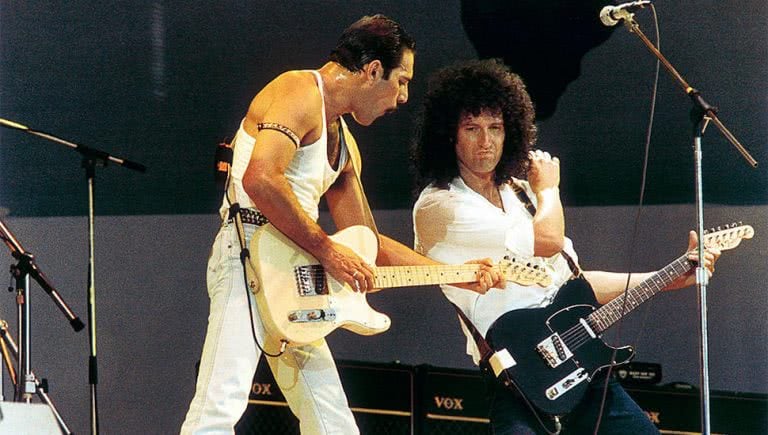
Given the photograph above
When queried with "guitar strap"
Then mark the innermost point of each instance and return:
(522, 195)
(498, 361)
(482, 345)
(493, 360)
(354, 155)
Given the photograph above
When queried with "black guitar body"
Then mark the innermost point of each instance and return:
(576, 354)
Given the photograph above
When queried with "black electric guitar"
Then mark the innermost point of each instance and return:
(550, 354)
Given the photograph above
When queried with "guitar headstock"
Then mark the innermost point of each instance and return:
(727, 236)
(524, 273)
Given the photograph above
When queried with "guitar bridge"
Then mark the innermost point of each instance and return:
(310, 280)
(554, 351)
(309, 316)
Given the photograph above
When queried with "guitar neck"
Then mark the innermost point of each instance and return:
(602, 318)
(405, 276)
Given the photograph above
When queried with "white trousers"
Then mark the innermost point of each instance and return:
(307, 375)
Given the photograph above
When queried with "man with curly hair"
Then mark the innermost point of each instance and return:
(472, 150)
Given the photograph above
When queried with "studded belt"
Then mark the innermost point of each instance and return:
(253, 217)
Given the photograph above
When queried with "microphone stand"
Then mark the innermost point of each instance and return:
(21, 272)
(701, 114)
(90, 158)
(9, 349)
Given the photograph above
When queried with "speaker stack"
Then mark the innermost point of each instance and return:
(451, 402)
(395, 399)
(381, 397)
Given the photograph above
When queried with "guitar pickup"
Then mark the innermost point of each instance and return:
(563, 385)
(554, 351)
(310, 280)
(315, 315)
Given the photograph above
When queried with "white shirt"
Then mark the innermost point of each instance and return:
(457, 224)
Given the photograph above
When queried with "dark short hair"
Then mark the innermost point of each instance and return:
(370, 38)
(471, 88)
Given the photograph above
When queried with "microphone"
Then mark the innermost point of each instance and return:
(611, 15)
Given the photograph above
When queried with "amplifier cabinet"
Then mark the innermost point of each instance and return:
(677, 410)
(380, 396)
(451, 401)
(267, 412)
(395, 399)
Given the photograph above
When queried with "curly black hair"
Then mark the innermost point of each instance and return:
(471, 88)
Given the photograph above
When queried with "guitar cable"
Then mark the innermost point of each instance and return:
(631, 258)
(245, 255)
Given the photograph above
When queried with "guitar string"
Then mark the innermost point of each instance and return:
(315, 271)
(577, 335)
(513, 266)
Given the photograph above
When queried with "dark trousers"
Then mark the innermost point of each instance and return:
(621, 415)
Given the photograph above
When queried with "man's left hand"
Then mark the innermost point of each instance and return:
(487, 277)
(710, 258)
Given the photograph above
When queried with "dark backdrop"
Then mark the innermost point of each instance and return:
(162, 82)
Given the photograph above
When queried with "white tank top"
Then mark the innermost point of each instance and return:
(309, 173)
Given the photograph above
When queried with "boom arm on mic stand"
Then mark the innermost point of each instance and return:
(91, 157)
(27, 266)
(701, 113)
(701, 105)
(82, 149)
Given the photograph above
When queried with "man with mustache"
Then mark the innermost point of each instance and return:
(292, 148)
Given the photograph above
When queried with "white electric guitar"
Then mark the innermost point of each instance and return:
(299, 303)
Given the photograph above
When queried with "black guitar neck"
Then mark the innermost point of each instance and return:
(604, 317)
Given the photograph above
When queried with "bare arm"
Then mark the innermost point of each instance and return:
(549, 221)
(347, 206)
(292, 101)
(609, 285)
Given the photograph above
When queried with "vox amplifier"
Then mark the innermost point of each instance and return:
(451, 401)
(380, 396)
(676, 409)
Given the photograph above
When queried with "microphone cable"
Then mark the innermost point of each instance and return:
(636, 224)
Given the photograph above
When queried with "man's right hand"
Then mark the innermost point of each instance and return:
(344, 265)
(549, 221)
(544, 171)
